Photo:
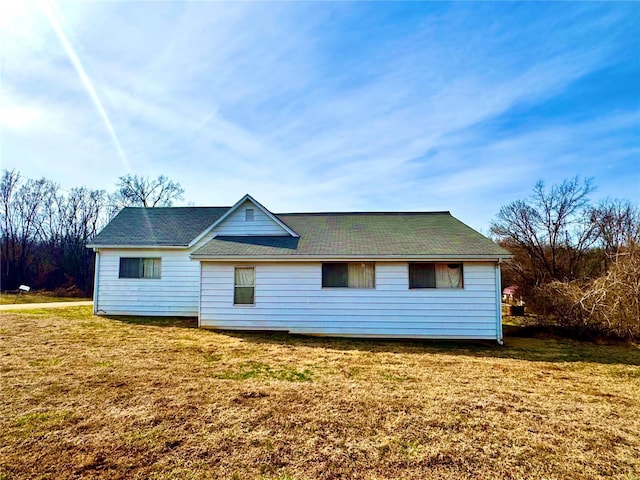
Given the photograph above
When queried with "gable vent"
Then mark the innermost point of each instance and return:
(248, 215)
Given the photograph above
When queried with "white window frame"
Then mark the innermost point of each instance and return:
(244, 305)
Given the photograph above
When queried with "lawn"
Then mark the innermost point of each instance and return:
(11, 298)
(126, 398)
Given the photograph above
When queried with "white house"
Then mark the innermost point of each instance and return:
(364, 274)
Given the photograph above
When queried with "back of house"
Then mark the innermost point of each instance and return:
(362, 274)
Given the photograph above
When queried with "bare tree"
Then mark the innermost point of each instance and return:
(8, 220)
(618, 224)
(550, 232)
(137, 191)
(44, 231)
(23, 215)
(82, 213)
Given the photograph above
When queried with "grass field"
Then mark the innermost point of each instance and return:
(124, 398)
(11, 298)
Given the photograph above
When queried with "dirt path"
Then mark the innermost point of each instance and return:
(31, 306)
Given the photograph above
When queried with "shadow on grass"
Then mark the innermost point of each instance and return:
(520, 343)
(177, 322)
(534, 349)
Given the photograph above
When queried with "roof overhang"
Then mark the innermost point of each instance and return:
(96, 246)
(349, 258)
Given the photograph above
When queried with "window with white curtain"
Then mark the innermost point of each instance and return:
(435, 275)
(349, 275)
(137, 267)
(244, 286)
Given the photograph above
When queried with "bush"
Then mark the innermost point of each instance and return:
(608, 305)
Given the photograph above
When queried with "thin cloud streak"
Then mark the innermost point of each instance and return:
(86, 81)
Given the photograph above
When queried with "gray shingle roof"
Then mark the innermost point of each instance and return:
(321, 234)
(166, 226)
(361, 234)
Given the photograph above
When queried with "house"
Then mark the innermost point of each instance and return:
(364, 274)
(510, 295)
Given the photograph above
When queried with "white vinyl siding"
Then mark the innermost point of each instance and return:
(237, 223)
(176, 292)
(290, 297)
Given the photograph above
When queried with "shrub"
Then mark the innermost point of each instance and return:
(608, 305)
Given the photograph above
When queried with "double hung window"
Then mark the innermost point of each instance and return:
(245, 284)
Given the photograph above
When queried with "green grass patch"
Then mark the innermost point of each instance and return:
(396, 378)
(34, 418)
(247, 371)
(14, 298)
(212, 357)
(45, 362)
(69, 313)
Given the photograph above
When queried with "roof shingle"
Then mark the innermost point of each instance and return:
(328, 235)
(361, 234)
(164, 226)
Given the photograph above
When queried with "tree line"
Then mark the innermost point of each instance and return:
(44, 229)
(575, 262)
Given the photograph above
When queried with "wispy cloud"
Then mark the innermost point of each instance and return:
(86, 81)
(321, 106)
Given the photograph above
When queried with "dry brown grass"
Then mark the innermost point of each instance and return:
(91, 397)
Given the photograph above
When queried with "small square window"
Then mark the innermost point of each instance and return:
(248, 213)
(335, 275)
(422, 275)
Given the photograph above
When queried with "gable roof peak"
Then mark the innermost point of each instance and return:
(234, 208)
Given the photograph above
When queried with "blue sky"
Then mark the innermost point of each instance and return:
(326, 106)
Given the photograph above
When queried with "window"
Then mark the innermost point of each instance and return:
(244, 288)
(435, 275)
(422, 275)
(139, 267)
(348, 275)
(248, 215)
